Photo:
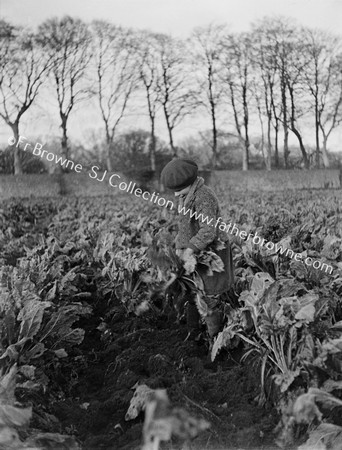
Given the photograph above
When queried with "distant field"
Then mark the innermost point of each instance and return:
(223, 181)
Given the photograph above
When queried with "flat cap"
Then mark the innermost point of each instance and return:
(179, 173)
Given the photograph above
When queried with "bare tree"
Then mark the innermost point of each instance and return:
(116, 76)
(279, 35)
(267, 84)
(23, 69)
(68, 42)
(289, 59)
(324, 81)
(298, 60)
(174, 84)
(237, 61)
(149, 74)
(330, 112)
(206, 46)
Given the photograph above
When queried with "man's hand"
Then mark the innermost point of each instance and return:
(184, 253)
(187, 253)
(189, 260)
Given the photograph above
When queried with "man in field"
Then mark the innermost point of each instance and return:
(199, 214)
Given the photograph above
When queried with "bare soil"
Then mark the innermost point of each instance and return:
(154, 351)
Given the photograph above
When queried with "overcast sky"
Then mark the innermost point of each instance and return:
(177, 17)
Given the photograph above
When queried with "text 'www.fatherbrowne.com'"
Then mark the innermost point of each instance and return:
(257, 240)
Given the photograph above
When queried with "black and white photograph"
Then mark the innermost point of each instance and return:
(171, 225)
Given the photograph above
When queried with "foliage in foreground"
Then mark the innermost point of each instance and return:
(288, 317)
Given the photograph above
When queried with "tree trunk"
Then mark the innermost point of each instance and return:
(317, 118)
(269, 145)
(172, 146)
(286, 146)
(64, 141)
(276, 147)
(109, 155)
(109, 145)
(245, 162)
(262, 137)
(302, 148)
(294, 129)
(317, 122)
(263, 142)
(245, 156)
(170, 131)
(214, 146)
(285, 125)
(325, 158)
(17, 161)
(152, 147)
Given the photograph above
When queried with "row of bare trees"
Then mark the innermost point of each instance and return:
(279, 76)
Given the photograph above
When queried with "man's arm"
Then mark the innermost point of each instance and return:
(206, 208)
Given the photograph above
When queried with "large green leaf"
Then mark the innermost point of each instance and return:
(12, 416)
(261, 281)
(59, 327)
(31, 318)
(7, 386)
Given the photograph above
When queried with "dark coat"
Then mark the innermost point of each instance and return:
(198, 235)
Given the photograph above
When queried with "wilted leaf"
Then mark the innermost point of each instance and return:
(138, 402)
(222, 340)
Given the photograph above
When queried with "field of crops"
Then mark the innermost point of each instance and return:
(88, 317)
